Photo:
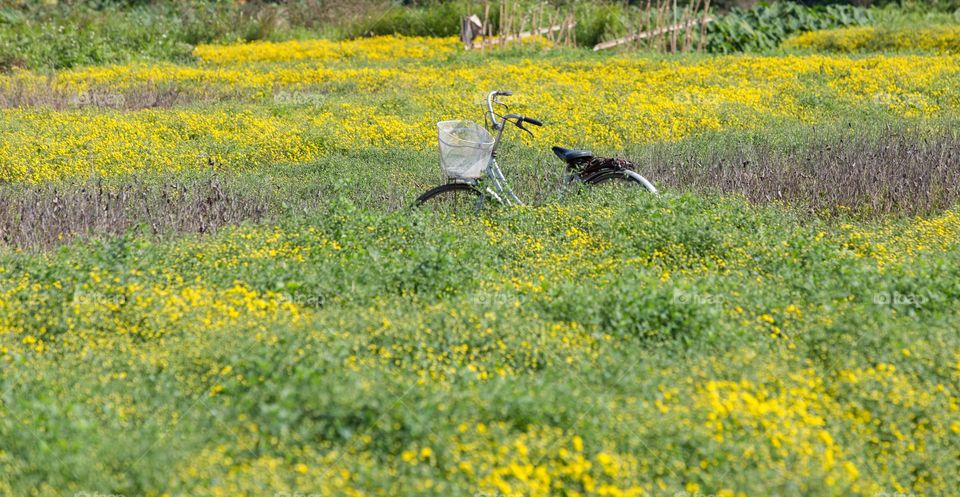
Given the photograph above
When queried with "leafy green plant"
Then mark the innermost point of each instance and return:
(440, 19)
(766, 26)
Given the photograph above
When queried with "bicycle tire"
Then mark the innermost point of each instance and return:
(435, 197)
(625, 176)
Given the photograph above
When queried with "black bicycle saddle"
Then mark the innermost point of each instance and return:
(569, 154)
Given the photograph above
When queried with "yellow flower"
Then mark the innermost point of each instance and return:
(851, 470)
(577, 443)
(665, 101)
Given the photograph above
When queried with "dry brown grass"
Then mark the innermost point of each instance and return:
(896, 172)
(899, 172)
(48, 215)
(23, 95)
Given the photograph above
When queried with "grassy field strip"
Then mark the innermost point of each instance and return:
(749, 332)
(258, 314)
(295, 114)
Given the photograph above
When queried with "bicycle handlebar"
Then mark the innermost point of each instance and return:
(535, 122)
(492, 99)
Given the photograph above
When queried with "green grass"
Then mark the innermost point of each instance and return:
(609, 315)
(49, 37)
(419, 287)
(596, 342)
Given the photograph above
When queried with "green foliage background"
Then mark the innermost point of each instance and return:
(41, 36)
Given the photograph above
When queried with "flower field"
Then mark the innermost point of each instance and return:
(389, 93)
(935, 39)
(593, 343)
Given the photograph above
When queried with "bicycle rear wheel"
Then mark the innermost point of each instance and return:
(452, 197)
(622, 178)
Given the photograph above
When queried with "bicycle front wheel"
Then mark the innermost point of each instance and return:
(452, 197)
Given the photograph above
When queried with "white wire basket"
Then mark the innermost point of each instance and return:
(465, 149)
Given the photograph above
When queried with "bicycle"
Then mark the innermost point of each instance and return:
(468, 157)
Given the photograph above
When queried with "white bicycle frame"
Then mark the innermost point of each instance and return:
(499, 189)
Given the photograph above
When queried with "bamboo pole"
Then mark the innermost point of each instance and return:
(664, 21)
(550, 35)
(649, 34)
(503, 21)
(526, 34)
(539, 22)
(688, 32)
(520, 18)
(647, 14)
(673, 34)
(703, 26)
(486, 25)
(516, 24)
(562, 32)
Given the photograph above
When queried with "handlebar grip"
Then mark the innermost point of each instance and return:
(535, 122)
(505, 93)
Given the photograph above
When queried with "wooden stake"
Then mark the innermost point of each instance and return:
(645, 26)
(659, 34)
(673, 34)
(703, 26)
(539, 21)
(688, 33)
(503, 21)
(497, 40)
(665, 39)
(486, 25)
(550, 35)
